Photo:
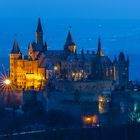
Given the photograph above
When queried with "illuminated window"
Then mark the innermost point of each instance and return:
(90, 120)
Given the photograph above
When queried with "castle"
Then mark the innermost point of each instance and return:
(34, 70)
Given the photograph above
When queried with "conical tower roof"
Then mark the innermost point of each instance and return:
(69, 40)
(15, 49)
(39, 26)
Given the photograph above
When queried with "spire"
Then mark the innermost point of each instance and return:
(99, 51)
(69, 40)
(69, 46)
(39, 26)
(39, 33)
(15, 49)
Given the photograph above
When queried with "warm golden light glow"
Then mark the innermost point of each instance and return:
(7, 82)
(73, 74)
(78, 75)
(87, 120)
(6, 85)
(26, 74)
(34, 80)
(90, 120)
(103, 102)
(72, 48)
(55, 68)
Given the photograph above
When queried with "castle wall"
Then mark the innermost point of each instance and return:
(85, 86)
(26, 74)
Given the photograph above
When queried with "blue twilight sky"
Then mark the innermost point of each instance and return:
(19, 18)
(71, 8)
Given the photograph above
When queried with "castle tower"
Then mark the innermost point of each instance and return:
(69, 46)
(103, 68)
(99, 51)
(39, 33)
(14, 56)
(122, 71)
(82, 55)
(115, 63)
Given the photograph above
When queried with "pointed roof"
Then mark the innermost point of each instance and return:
(39, 26)
(99, 51)
(115, 60)
(121, 57)
(82, 55)
(15, 49)
(82, 51)
(46, 46)
(69, 41)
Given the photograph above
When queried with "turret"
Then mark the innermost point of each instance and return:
(99, 51)
(15, 49)
(70, 45)
(14, 56)
(82, 55)
(115, 63)
(15, 52)
(39, 33)
(121, 58)
(122, 71)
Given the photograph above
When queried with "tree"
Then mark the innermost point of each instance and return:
(2, 111)
(76, 96)
(34, 108)
(50, 86)
(135, 113)
(57, 118)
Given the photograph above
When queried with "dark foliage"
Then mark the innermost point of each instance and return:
(57, 118)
